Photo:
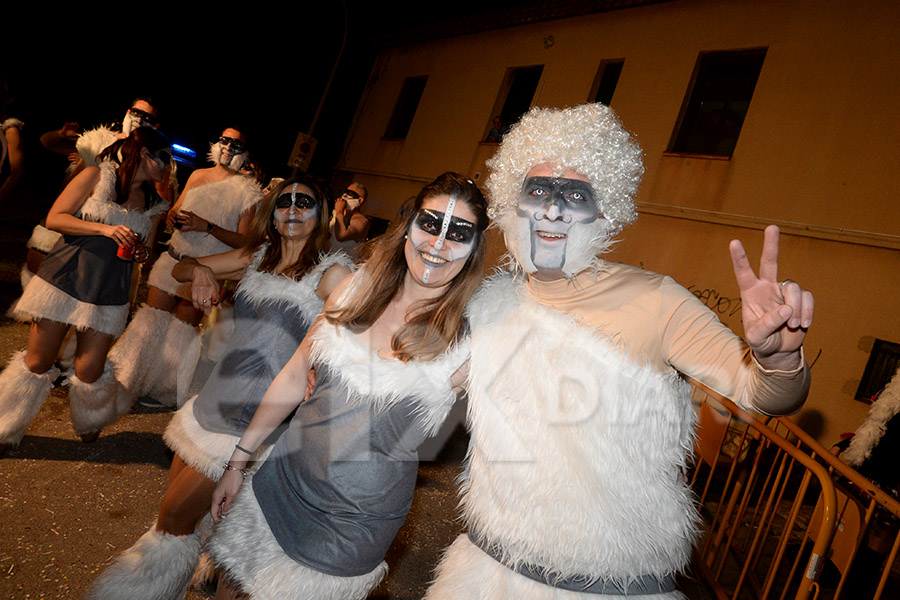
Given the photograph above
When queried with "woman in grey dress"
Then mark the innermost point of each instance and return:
(105, 214)
(322, 511)
(285, 276)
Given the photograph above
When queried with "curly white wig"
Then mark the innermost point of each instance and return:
(589, 139)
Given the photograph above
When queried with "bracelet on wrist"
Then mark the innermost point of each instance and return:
(244, 450)
(210, 227)
(243, 472)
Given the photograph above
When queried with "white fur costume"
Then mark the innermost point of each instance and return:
(158, 353)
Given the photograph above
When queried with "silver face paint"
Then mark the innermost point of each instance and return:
(441, 239)
(293, 211)
(225, 156)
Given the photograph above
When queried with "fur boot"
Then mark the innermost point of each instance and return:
(158, 567)
(205, 572)
(93, 405)
(22, 393)
(136, 351)
(169, 378)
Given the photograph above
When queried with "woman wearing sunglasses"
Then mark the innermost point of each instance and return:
(158, 352)
(317, 518)
(105, 215)
(285, 277)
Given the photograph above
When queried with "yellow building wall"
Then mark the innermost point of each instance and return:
(817, 154)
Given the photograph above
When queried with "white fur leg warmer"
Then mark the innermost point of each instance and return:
(174, 363)
(135, 353)
(243, 545)
(21, 395)
(467, 572)
(158, 567)
(93, 405)
(205, 571)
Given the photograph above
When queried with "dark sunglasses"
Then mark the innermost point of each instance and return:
(350, 194)
(144, 116)
(236, 145)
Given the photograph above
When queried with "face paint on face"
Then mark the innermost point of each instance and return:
(554, 208)
(229, 152)
(135, 117)
(351, 197)
(296, 213)
(440, 239)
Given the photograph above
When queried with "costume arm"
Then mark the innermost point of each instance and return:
(330, 280)
(61, 141)
(16, 161)
(697, 344)
(349, 225)
(62, 217)
(205, 272)
(235, 239)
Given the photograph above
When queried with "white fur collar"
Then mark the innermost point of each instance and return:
(94, 141)
(383, 382)
(870, 432)
(259, 287)
(101, 208)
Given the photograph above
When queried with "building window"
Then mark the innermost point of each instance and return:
(515, 97)
(881, 367)
(405, 109)
(606, 80)
(717, 101)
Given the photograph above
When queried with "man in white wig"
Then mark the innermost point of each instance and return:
(581, 425)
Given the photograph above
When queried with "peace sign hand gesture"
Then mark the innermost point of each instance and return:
(776, 315)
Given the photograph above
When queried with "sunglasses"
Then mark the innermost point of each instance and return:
(144, 116)
(298, 199)
(236, 145)
(350, 194)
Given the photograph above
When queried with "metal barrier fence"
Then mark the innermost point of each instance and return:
(778, 509)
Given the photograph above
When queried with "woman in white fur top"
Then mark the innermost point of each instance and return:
(323, 509)
(105, 214)
(285, 276)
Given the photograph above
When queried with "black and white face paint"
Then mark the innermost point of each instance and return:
(558, 225)
(351, 197)
(441, 239)
(296, 213)
(134, 118)
(228, 152)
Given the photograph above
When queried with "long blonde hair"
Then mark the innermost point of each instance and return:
(433, 324)
(263, 230)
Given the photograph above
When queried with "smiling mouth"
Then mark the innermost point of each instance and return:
(431, 259)
(550, 236)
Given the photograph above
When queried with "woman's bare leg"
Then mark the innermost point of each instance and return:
(186, 500)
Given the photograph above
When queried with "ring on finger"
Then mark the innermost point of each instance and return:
(781, 284)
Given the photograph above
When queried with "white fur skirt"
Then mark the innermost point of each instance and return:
(468, 572)
(161, 277)
(43, 239)
(205, 451)
(42, 300)
(244, 546)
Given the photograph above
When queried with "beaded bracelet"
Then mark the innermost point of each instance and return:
(243, 472)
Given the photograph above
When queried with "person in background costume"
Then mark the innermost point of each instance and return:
(350, 227)
(581, 426)
(10, 145)
(322, 511)
(105, 214)
(159, 350)
(285, 276)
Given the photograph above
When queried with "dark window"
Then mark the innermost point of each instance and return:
(717, 102)
(606, 80)
(883, 362)
(516, 95)
(405, 109)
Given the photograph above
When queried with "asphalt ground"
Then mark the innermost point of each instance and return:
(67, 508)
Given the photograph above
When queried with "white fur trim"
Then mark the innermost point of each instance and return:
(222, 203)
(258, 287)
(173, 363)
(13, 312)
(22, 393)
(244, 546)
(204, 450)
(42, 239)
(135, 352)
(367, 377)
(100, 208)
(11, 122)
(161, 277)
(93, 405)
(41, 300)
(873, 428)
(548, 395)
(157, 567)
(94, 141)
(467, 572)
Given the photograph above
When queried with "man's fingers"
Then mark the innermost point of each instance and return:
(743, 272)
(808, 309)
(793, 297)
(768, 262)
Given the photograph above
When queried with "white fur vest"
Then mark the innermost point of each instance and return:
(221, 203)
(100, 207)
(577, 455)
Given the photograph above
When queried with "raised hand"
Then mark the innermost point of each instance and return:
(776, 315)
